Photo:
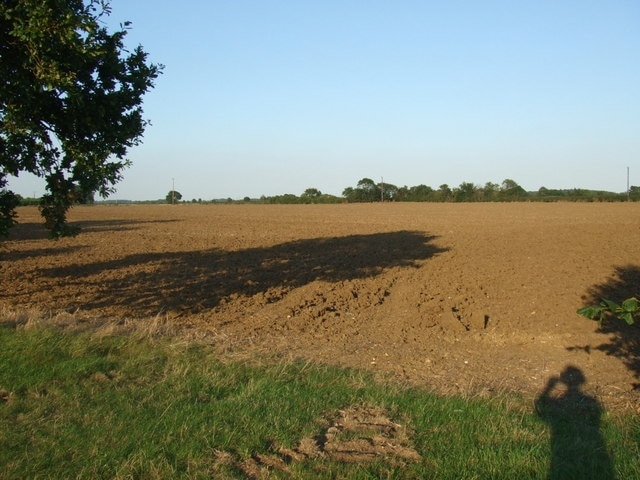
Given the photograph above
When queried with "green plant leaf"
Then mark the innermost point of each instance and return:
(592, 312)
(627, 317)
(631, 305)
(610, 304)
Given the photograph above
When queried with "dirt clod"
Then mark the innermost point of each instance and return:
(356, 434)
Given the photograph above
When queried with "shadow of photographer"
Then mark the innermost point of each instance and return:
(578, 449)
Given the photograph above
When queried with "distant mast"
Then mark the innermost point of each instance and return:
(628, 191)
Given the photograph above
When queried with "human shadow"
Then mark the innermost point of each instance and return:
(578, 450)
(147, 283)
(624, 342)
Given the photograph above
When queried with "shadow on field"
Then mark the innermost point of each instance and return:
(28, 231)
(37, 231)
(116, 225)
(578, 449)
(13, 256)
(625, 339)
(32, 231)
(147, 283)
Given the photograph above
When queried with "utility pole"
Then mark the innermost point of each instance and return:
(628, 191)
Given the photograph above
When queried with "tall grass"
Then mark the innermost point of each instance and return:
(80, 405)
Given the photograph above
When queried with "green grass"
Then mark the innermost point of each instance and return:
(79, 405)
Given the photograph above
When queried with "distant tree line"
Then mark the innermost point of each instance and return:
(76, 194)
(367, 191)
(310, 195)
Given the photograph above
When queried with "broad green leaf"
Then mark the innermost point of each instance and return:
(591, 311)
(627, 317)
(611, 305)
(631, 305)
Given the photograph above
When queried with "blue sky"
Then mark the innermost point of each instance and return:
(272, 97)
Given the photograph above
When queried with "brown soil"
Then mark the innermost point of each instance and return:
(357, 434)
(463, 298)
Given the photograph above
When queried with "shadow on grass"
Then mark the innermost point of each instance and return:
(625, 339)
(147, 283)
(578, 449)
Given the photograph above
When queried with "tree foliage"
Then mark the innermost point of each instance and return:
(173, 196)
(8, 203)
(368, 191)
(311, 195)
(70, 102)
(510, 190)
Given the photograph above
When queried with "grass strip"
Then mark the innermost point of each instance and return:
(78, 405)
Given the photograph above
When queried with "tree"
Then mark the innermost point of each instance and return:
(466, 192)
(420, 193)
(510, 190)
(8, 203)
(389, 192)
(444, 193)
(490, 191)
(173, 196)
(349, 194)
(70, 102)
(311, 195)
(368, 191)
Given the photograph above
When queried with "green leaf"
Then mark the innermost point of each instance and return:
(610, 305)
(631, 305)
(592, 312)
(627, 317)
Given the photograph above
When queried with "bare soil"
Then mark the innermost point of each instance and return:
(462, 298)
(357, 434)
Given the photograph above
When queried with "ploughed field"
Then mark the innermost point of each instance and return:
(463, 298)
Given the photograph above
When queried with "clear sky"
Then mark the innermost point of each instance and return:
(270, 97)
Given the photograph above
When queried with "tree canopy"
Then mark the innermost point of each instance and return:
(70, 103)
(173, 196)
